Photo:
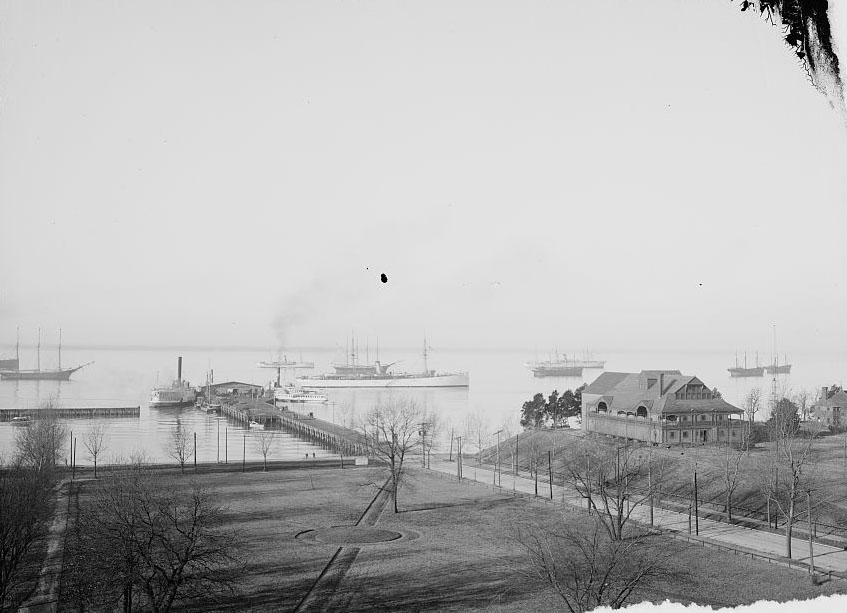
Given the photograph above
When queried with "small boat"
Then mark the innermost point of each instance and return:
(291, 393)
(254, 425)
(21, 420)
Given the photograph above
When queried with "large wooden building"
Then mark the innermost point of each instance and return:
(659, 406)
(831, 409)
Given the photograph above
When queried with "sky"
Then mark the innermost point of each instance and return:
(615, 175)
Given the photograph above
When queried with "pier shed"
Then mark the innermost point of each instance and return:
(236, 388)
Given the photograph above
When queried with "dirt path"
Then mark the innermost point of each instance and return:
(324, 594)
(46, 596)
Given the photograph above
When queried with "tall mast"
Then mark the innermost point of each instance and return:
(377, 349)
(18, 347)
(367, 352)
(426, 368)
(60, 349)
(39, 349)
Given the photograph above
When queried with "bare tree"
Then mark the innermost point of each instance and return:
(803, 398)
(752, 405)
(94, 442)
(135, 540)
(25, 494)
(476, 430)
(731, 472)
(41, 444)
(614, 481)
(587, 569)
(180, 446)
(785, 473)
(392, 431)
(264, 441)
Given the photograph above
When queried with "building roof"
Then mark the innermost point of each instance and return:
(604, 382)
(628, 391)
(236, 384)
(839, 399)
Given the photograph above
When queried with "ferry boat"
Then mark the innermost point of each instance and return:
(21, 420)
(285, 363)
(744, 371)
(380, 376)
(254, 425)
(178, 394)
(290, 393)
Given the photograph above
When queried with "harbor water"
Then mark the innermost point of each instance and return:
(499, 385)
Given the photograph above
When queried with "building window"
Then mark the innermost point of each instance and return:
(685, 418)
(685, 434)
(673, 434)
(734, 433)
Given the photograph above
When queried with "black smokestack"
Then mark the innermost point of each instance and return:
(179, 369)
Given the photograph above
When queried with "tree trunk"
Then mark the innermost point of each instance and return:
(729, 505)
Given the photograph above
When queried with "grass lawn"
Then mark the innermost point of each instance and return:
(456, 553)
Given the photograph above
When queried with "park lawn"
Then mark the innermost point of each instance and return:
(464, 559)
(456, 554)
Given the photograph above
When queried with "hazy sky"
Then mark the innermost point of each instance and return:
(654, 175)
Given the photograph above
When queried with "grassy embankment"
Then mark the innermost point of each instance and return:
(677, 464)
(457, 554)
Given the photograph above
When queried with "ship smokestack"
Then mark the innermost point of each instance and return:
(179, 369)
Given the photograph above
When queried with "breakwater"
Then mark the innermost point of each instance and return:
(71, 412)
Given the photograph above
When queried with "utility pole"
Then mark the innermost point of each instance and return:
(516, 454)
(244, 454)
(650, 485)
(696, 510)
(535, 470)
(195, 452)
(588, 478)
(450, 459)
(459, 457)
(499, 471)
(550, 470)
(811, 550)
(226, 445)
(219, 440)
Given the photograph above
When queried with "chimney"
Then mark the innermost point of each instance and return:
(661, 382)
(179, 369)
(824, 392)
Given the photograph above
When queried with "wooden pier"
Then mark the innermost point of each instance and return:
(324, 434)
(71, 412)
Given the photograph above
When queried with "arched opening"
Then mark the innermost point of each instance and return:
(601, 407)
(641, 412)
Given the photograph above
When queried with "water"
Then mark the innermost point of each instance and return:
(499, 385)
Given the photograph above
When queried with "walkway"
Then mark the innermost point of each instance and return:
(739, 538)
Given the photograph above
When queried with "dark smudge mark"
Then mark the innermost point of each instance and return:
(383, 277)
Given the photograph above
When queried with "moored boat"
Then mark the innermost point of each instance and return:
(744, 371)
(178, 394)
(290, 393)
(37, 374)
(20, 420)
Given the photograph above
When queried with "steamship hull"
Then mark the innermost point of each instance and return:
(389, 381)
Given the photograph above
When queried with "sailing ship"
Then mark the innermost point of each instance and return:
(744, 371)
(37, 374)
(778, 369)
(378, 375)
(178, 394)
(775, 368)
(205, 403)
(558, 367)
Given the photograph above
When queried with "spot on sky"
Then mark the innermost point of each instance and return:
(383, 277)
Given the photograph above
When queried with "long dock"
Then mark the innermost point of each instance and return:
(71, 412)
(323, 433)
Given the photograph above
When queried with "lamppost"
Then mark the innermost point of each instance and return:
(422, 433)
(497, 472)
